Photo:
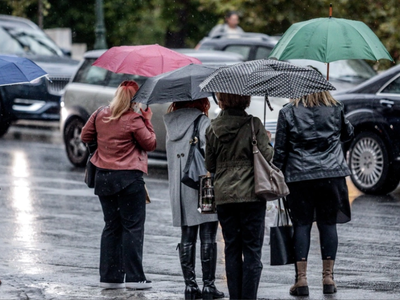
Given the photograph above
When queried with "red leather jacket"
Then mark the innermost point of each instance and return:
(122, 143)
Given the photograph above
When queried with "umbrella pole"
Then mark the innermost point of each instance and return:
(327, 72)
(265, 111)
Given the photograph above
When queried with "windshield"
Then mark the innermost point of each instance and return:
(23, 41)
(352, 70)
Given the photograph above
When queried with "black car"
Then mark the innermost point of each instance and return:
(39, 100)
(373, 108)
(343, 74)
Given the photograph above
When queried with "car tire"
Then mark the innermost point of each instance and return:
(369, 162)
(77, 152)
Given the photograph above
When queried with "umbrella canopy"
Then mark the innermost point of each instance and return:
(18, 70)
(266, 77)
(330, 39)
(178, 85)
(144, 60)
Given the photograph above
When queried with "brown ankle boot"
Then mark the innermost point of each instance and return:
(329, 285)
(300, 288)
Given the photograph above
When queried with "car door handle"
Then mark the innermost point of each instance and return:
(387, 103)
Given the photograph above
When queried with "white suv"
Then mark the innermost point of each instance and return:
(92, 87)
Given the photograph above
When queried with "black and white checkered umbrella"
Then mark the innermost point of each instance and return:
(266, 77)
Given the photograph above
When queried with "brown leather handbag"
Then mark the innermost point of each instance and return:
(269, 180)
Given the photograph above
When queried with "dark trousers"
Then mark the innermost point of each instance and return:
(122, 238)
(208, 233)
(243, 231)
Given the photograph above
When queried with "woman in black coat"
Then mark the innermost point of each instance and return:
(308, 150)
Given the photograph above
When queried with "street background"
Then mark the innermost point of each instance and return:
(50, 227)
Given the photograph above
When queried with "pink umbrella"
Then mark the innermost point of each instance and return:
(144, 60)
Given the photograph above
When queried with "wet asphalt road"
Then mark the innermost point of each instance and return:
(50, 226)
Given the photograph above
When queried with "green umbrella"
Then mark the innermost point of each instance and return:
(329, 39)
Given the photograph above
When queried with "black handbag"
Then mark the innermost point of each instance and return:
(195, 164)
(281, 238)
(90, 170)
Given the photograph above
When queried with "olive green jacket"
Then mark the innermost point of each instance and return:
(229, 154)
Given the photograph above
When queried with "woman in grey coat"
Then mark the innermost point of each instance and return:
(179, 123)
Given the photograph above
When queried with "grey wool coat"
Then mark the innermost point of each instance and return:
(179, 125)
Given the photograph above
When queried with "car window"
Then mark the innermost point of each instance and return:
(351, 70)
(262, 52)
(240, 49)
(27, 41)
(393, 87)
(115, 79)
(90, 74)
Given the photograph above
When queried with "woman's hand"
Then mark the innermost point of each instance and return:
(147, 114)
(269, 134)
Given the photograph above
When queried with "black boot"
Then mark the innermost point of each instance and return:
(187, 256)
(209, 264)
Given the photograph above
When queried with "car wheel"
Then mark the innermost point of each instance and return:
(371, 171)
(76, 150)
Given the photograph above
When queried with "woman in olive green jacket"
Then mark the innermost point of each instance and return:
(229, 154)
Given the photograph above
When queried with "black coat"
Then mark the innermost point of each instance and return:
(308, 142)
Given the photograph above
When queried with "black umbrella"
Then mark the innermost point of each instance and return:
(178, 85)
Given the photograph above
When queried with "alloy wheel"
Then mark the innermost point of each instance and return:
(367, 162)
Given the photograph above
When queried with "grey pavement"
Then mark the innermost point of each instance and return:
(50, 226)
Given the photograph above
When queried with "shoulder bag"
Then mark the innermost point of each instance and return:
(281, 237)
(268, 179)
(195, 164)
(90, 170)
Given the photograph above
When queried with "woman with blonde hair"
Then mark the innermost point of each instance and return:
(179, 122)
(123, 137)
(308, 151)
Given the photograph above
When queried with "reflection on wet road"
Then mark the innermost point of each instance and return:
(50, 226)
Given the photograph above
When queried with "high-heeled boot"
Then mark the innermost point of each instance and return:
(209, 264)
(329, 286)
(300, 288)
(187, 256)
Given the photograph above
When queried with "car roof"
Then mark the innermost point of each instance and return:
(212, 56)
(245, 38)
(373, 84)
(11, 21)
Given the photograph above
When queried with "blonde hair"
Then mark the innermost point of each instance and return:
(121, 102)
(316, 99)
(233, 101)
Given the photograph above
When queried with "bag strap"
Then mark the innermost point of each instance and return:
(196, 136)
(287, 215)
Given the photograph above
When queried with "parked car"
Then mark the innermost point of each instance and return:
(41, 99)
(373, 108)
(343, 74)
(92, 87)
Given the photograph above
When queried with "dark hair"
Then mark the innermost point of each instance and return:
(233, 101)
(201, 104)
(230, 13)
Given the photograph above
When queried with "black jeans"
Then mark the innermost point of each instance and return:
(243, 227)
(122, 238)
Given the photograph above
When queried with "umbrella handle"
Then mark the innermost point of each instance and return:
(215, 99)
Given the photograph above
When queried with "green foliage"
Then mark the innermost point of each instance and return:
(182, 23)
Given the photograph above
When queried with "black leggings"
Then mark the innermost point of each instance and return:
(328, 241)
(208, 233)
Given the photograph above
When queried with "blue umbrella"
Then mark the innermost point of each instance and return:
(18, 70)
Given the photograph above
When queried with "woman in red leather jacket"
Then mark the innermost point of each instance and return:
(123, 136)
